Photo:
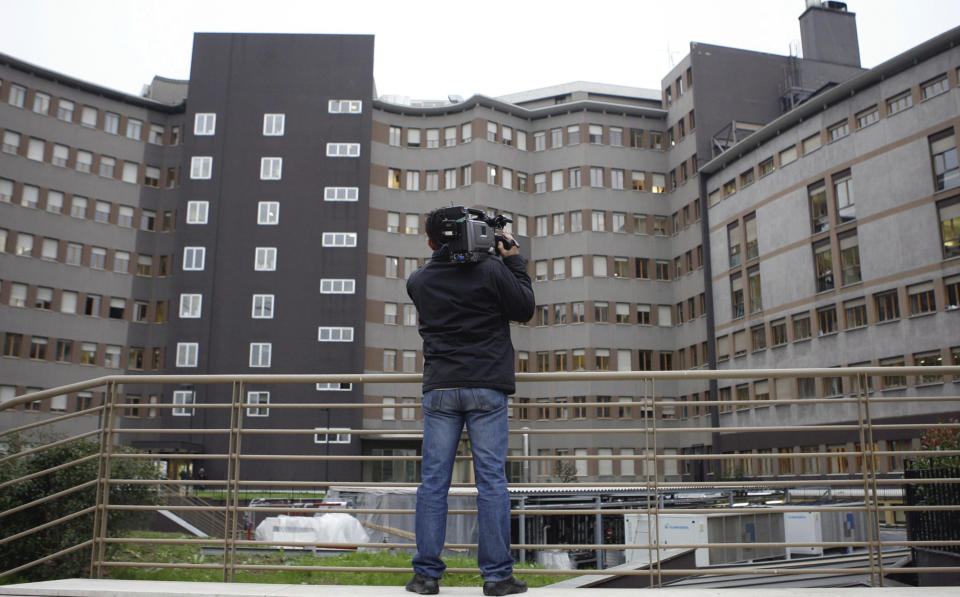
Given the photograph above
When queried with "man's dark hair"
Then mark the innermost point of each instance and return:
(433, 224)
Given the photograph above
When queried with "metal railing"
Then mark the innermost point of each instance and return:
(651, 434)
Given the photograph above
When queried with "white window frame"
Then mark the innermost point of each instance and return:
(344, 106)
(334, 387)
(204, 124)
(194, 259)
(343, 150)
(265, 259)
(341, 193)
(261, 354)
(191, 306)
(258, 398)
(274, 124)
(187, 354)
(184, 397)
(271, 168)
(201, 167)
(260, 305)
(330, 286)
(339, 239)
(198, 212)
(331, 435)
(268, 213)
(334, 334)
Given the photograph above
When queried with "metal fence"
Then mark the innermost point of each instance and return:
(874, 504)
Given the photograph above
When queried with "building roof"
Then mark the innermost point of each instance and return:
(585, 86)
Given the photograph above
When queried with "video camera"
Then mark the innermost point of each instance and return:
(470, 233)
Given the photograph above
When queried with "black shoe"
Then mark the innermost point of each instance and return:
(507, 586)
(426, 585)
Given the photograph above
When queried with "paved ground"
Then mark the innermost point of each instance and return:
(132, 588)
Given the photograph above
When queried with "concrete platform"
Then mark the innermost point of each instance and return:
(80, 587)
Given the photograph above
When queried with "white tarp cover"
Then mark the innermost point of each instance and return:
(328, 528)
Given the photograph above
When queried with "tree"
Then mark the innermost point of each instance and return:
(71, 532)
(936, 439)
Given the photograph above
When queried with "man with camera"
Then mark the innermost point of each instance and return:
(474, 284)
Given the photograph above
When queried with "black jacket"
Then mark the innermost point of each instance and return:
(465, 310)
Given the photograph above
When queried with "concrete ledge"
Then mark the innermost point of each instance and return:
(80, 587)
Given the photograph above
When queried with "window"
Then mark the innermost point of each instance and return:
(778, 332)
(827, 320)
(339, 239)
(736, 295)
(65, 110)
(409, 362)
(204, 124)
(887, 306)
(391, 267)
(949, 212)
(260, 354)
(197, 212)
(98, 257)
(35, 149)
(746, 178)
(733, 244)
(556, 138)
(596, 177)
(335, 334)
(111, 123)
(193, 258)
(838, 130)
(190, 306)
(262, 306)
(121, 261)
(540, 269)
(892, 381)
(849, 259)
(577, 313)
(257, 400)
(344, 106)
(750, 229)
(187, 354)
(337, 286)
(134, 129)
(433, 180)
(344, 150)
(943, 154)
(390, 313)
(271, 168)
(265, 259)
(928, 359)
(810, 144)
(395, 136)
(449, 136)
(541, 223)
(182, 400)
(801, 326)
(899, 102)
(843, 192)
(576, 266)
(333, 435)
(409, 314)
(599, 266)
(506, 135)
(817, 195)
(273, 124)
(921, 298)
(868, 116)
(410, 265)
(466, 173)
(200, 167)
(44, 298)
(268, 213)
(854, 313)
(341, 193)
(823, 265)
(934, 86)
(616, 179)
(466, 132)
(753, 287)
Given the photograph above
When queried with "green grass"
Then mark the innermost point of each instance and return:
(132, 552)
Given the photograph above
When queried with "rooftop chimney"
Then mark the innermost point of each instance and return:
(829, 33)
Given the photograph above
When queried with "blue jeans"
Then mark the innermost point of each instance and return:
(444, 413)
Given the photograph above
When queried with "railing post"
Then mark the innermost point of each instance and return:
(233, 484)
(100, 515)
(653, 491)
(869, 475)
(522, 527)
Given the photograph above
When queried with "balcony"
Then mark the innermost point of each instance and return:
(848, 492)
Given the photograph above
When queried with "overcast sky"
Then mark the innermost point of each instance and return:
(431, 49)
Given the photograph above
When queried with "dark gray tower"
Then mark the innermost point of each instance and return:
(829, 33)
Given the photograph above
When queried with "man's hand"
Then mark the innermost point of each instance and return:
(504, 252)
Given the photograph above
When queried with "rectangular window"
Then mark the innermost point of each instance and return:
(899, 102)
(801, 326)
(183, 401)
(65, 110)
(260, 353)
(843, 193)
(753, 288)
(111, 123)
(736, 296)
(949, 213)
(265, 259)
(344, 106)
(341, 193)
(204, 124)
(887, 306)
(838, 130)
(344, 150)
(854, 313)
(273, 124)
(190, 306)
(134, 129)
(810, 144)
(193, 258)
(823, 265)
(337, 286)
(951, 286)
(201, 167)
(187, 354)
(335, 334)
(849, 259)
(892, 381)
(934, 86)
(271, 168)
(256, 402)
(868, 116)
(333, 435)
(50, 246)
(943, 154)
(750, 230)
(339, 239)
(921, 298)
(817, 196)
(262, 307)
(733, 244)
(827, 320)
(658, 182)
(268, 213)
(197, 212)
(596, 177)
